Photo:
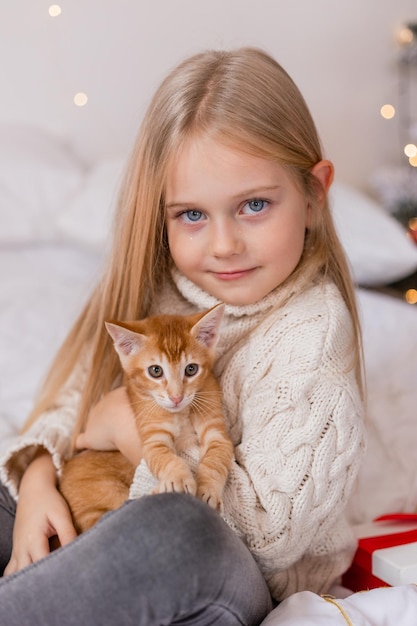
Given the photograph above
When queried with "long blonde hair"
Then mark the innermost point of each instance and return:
(241, 97)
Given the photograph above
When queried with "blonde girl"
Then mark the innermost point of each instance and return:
(225, 199)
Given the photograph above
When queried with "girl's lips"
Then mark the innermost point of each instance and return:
(233, 275)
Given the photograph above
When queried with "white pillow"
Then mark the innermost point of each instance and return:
(88, 215)
(38, 173)
(377, 246)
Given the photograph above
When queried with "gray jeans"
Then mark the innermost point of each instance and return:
(162, 559)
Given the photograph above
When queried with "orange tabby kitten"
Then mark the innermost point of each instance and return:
(167, 361)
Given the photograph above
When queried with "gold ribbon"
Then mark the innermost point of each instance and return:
(332, 600)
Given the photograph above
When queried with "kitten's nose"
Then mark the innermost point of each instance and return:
(176, 399)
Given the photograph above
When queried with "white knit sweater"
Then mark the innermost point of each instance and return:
(295, 416)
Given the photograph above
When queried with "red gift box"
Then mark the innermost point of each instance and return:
(386, 553)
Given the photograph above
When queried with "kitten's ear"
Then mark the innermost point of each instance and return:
(126, 342)
(206, 330)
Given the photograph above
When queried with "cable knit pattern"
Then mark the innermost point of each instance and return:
(295, 416)
(296, 419)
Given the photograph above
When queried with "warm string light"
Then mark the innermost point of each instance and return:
(80, 99)
(407, 38)
(54, 10)
(388, 111)
(412, 224)
(410, 150)
(412, 229)
(411, 296)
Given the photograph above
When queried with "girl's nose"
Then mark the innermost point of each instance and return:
(226, 240)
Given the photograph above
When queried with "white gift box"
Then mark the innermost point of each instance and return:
(386, 553)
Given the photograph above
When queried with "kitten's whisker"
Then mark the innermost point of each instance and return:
(149, 409)
(209, 393)
(204, 402)
(141, 402)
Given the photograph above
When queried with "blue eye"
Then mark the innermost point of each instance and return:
(255, 206)
(192, 216)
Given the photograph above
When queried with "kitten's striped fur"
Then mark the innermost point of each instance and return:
(167, 361)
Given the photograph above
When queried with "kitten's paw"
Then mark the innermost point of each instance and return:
(211, 496)
(185, 484)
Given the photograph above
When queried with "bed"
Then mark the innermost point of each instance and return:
(54, 225)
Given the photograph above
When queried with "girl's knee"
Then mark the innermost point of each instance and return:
(176, 526)
(175, 515)
(184, 545)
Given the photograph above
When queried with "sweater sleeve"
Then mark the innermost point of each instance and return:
(52, 430)
(300, 444)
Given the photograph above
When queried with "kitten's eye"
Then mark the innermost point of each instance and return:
(155, 371)
(191, 369)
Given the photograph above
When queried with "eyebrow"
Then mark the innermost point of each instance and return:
(254, 191)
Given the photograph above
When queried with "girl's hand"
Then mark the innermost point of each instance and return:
(41, 514)
(111, 426)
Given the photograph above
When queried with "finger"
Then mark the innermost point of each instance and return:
(11, 567)
(63, 526)
(67, 534)
(39, 550)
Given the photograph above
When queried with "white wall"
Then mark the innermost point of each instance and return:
(341, 53)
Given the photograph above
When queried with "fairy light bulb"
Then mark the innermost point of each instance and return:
(410, 150)
(412, 224)
(411, 296)
(413, 161)
(412, 229)
(54, 10)
(80, 99)
(405, 35)
(387, 111)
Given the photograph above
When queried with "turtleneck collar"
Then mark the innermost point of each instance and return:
(203, 300)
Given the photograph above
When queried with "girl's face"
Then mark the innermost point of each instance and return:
(235, 222)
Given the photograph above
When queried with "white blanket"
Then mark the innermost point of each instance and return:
(378, 607)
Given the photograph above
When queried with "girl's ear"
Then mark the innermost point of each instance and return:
(324, 172)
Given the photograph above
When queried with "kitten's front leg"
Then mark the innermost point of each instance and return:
(216, 460)
(172, 471)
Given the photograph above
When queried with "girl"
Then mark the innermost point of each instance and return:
(225, 200)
